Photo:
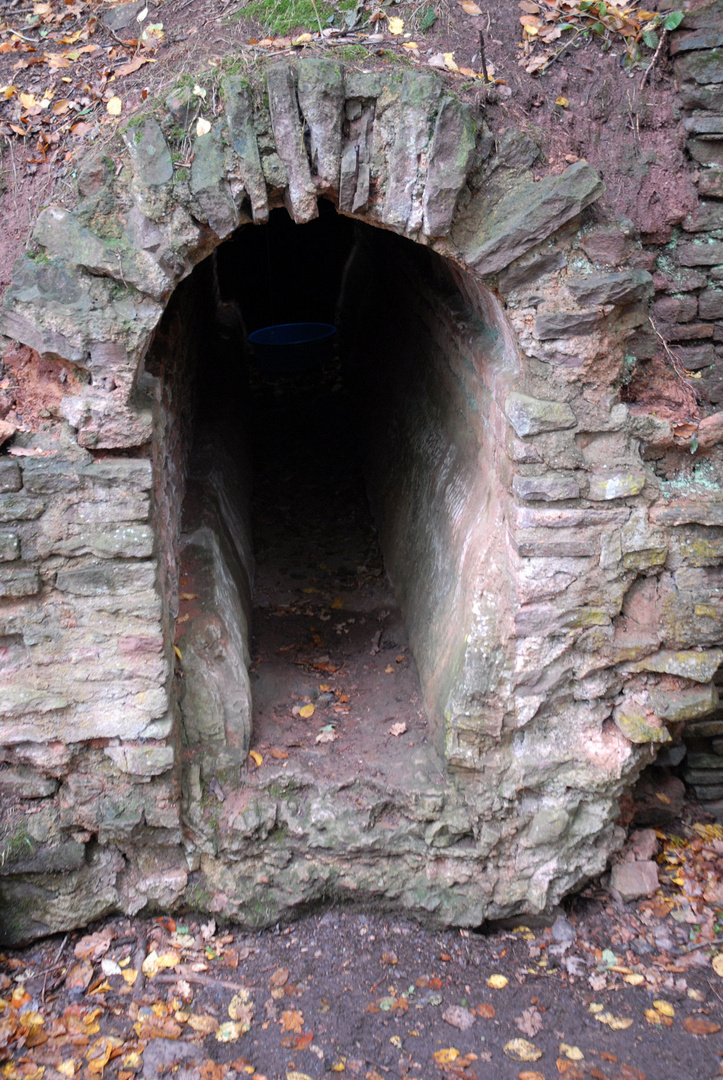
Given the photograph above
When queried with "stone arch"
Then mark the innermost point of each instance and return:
(549, 700)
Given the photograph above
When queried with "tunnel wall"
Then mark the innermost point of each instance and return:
(611, 560)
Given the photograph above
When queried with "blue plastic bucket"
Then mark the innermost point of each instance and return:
(292, 347)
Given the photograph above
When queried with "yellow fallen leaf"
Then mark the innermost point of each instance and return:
(204, 1025)
(337, 603)
(230, 1031)
(177, 651)
(256, 757)
(67, 1068)
(653, 1016)
(562, 101)
(130, 976)
(634, 980)
(340, 1066)
(717, 963)
(27, 100)
(202, 127)
(306, 711)
(302, 40)
(444, 1057)
(410, 45)
(153, 962)
(470, 8)
(522, 1050)
(617, 1023)
(497, 982)
(389, 669)
(449, 63)
(595, 1008)
(297, 1076)
(199, 91)
(572, 1053)
(133, 1061)
(396, 26)
(664, 1007)
(114, 106)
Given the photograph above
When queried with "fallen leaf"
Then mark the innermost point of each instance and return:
(698, 1025)
(717, 963)
(497, 982)
(153, 963)
(199, 91)
(110, 967)
(522, 1050)
(93, 946)
(530, 1022)
(563, 102)
(231, 1031)
(617, 1023)
(277, 755)
(204, 1025)
(297, 1076)
(446, 1057)
(114, 106)
(573, 1053)
(398, 729)
(664, 1007)
(327, 734)
(458, 1017)
(396, 26)
(292, 1020)
(306, 711)
(130, 976)
(470, 8)
(526, 1074)
(485, 1011)
(634, 980)
(256, 757)
(279, 978)
(79, 976)
(390, 958)
(128, 69)
(202, 127)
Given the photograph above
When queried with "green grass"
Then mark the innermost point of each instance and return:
(280, 17)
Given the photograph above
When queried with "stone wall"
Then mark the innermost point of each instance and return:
(587, 638)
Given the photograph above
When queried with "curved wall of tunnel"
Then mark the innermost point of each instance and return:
(341, 514)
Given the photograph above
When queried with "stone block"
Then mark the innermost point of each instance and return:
(10, 478)
(20, 508)
(695, 357)
(671, 309)
(531, 416)
(42, 477)
(239, 117)
(710, 763)
(696, 331)
(685, 703)
(107, 577)
(705, 729)
(549, 487)
(450, 159)
(144, 760)
(9, 546)
(565, 324)
(689, 664)
(706, 151)
(695, 40)
(634, 879)
(555, 548)
(607, 246)
(686, 512)
(58, 858)
(149, 153)
(704, 67)
(209, 187)
(531, 213)
(700, 253)
(618, 485)
(17, 582)
(710, 183)
(112, 542)
(706, 217)
(24, 783)
(321, 99)
(286, 123)
(710, 304)
(556, 517)
(528, 269)
(413, 123)
(625, 287)
(638, 724)
(709, 97)
(136, 473)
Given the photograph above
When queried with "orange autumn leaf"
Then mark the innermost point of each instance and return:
(292, 1020)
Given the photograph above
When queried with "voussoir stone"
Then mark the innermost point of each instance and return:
(209, 187)
(530, 416)
(289, 137)
(618, 485)
(531, 213)
(150, 156)
(242, 136)
(321, 99)
(450, 159)
(418, 104)
(549, 487)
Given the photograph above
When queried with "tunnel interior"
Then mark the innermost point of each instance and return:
(321, 554)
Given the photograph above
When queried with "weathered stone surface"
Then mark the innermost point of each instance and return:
(321, 99)
(704, 67)
(686, 703)
(239, 116)
(708, 253)
(634, 879)
(20, 508)
(529, 268)
(710, 304)
(547, 487)
(450, 159)
(209, 187)
(687, 511)
(607, 246)
(10, 479)
(710, 182)
(123, 15)
(706, 217)
(706, 151)
(144, 760)
(695, 40)
(18, 581)
(149, 153)
(698, 666)
(289, 136)
(618, 485)
(565, 324)
(530, 416)
(63, 235)
(626, 287)
(531, 214)
(417, 107)
(25, 783)
(9, 546)
(639, 724)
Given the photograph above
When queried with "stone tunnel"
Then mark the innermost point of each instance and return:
(459, 492)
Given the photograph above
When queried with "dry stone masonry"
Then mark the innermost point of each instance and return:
(563, 594)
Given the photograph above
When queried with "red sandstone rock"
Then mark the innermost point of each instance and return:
(634, 879)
